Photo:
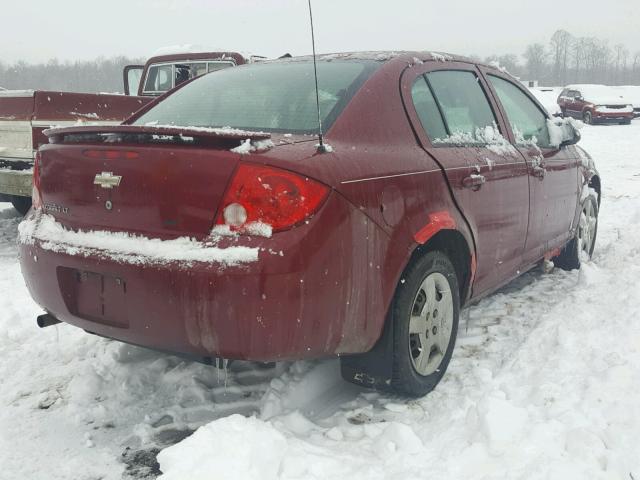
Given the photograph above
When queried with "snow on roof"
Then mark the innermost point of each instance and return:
(195, 48)
(16, 93)
(599, 93)
(631, 93)
(410, 56)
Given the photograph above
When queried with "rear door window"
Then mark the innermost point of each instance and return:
(468, 116)
(427, 110)
(159, 79)
(527, 121)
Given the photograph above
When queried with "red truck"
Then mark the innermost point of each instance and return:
(25, 114)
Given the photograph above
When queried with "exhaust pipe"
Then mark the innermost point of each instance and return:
(47, 320)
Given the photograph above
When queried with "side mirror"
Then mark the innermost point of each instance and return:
(579, 98)
(573, 139)
(563, 131)
(132, 75)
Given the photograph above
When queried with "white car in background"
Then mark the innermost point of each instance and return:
(632, 94)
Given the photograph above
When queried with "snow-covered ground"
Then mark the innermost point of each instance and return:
(544, 384)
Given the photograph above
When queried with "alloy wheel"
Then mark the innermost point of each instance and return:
(431, 323)
(586, 230)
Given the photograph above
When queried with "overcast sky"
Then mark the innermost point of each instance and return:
(37, 30)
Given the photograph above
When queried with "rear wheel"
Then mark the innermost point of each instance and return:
(587, 118)
(425, 313)
(21, 204)
(580, 248)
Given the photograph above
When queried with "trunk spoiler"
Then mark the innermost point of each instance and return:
(58, 135)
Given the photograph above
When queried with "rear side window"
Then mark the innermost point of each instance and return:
(427, 110)
(467, 113)
(159, 78)
(529, 124)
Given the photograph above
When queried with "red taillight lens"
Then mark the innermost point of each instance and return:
(278, 198)
(36, 197)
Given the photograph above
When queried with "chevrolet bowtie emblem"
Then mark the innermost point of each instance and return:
(107, 180)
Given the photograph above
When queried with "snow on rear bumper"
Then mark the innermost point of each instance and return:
(126, 248)
(308, 301)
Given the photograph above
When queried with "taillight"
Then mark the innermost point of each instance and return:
(278, 198)
(36, 197)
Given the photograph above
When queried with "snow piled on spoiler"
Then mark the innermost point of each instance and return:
(214, 130)
(126, 248)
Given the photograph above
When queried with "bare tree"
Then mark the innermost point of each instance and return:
(620, 57)
(100, 75)
(509, 62)
(578, 58)
(536, 58)
(635, 69)
(560, 46)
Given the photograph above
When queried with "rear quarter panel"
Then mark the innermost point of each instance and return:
(378, 166)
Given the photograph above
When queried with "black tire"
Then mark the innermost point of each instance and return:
(571, 256)
(587, 118)
(405, 379)
(21, 204)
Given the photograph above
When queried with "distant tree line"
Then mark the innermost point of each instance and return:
(565, 60)
(568, 59)
(100, 75)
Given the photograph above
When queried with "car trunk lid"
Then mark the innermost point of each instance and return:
(159, 182)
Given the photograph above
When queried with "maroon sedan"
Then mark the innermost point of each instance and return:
(212, 224)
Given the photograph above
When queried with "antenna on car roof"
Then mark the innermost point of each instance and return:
(321, 146)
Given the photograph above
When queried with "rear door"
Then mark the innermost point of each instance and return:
(553, 171)
(570, 104)
(457, 125)
(132, 75)
(563, 100)
(578, 104)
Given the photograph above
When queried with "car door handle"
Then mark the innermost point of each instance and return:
(539, 172)
(474, 181)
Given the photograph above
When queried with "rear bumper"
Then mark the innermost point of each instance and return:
(16, 182)
(308, 301)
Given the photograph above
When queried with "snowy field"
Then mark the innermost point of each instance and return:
(544, 384)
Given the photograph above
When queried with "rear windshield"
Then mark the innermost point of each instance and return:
(272, 97)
